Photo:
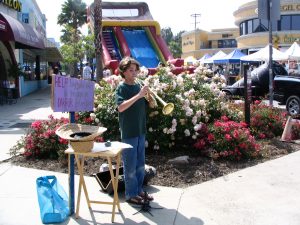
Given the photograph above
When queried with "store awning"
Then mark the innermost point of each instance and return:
(49, 54)
(25, 36)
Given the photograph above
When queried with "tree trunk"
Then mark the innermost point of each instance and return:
(98, 38)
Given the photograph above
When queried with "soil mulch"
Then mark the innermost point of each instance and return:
(198, 170)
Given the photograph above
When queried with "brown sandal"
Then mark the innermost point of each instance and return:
(149, 197)
(137, 200)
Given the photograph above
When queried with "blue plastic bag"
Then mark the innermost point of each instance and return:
(53, 200)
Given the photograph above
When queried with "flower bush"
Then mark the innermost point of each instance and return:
(265, 121)
(202, 119)
(227, 139)
(40, 141)
(197, 99)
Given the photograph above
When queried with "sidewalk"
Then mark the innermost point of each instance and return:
(265, 194)
(15, 118)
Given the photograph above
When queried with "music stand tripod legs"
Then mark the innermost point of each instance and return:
(146, 207)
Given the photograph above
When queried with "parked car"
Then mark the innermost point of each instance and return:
(259, 81)
(287, 91)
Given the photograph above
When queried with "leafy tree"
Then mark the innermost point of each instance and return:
(88, 45)
(72, 17)
(68, 37)
(177, 37)
(175, 48)
(167, 34)
(173, 42)
(73, 14)
(73, 50)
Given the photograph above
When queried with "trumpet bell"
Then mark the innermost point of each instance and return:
(168, 108)
(151, 98)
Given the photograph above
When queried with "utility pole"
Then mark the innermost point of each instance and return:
(271, 94)
(195, 16)
(269, 10)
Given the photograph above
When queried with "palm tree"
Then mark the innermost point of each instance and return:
(73, 15)
(98, 41)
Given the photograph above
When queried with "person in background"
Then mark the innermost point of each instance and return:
(106, 72)
(293, 68)
(87, 72)
(56, 71)
(131, 106)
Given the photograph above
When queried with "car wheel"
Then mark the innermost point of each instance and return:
(293, 105)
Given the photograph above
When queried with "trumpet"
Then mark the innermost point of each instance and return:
(167, 107)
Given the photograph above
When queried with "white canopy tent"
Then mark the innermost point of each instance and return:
(203, 58)
(190, 60)
(263, 55)
(293, 53)
(219, 55)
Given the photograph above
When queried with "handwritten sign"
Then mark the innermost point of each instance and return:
(71, 94)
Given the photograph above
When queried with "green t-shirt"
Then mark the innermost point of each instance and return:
(133, 120)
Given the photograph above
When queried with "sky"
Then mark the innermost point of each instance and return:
(213, 14)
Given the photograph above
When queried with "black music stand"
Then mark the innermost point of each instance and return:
(146, 207)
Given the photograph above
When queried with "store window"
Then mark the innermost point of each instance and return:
(244, 29)
(227, 35)
(264, 25)
(285, 23)
(228, 43)
(296, 22)
(241, 28)
(249, 27)
(256, 25)
(25, 17)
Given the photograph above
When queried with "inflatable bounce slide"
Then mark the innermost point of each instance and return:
(128, 29)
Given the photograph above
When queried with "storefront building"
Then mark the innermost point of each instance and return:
(250, 35)
(23, 45)
(254, 32)
(199, 42)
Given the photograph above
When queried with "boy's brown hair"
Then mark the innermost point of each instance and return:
(125, 64)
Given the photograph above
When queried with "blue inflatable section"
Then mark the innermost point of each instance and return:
(141, 48)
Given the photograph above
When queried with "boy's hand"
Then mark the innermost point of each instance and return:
(143, 91)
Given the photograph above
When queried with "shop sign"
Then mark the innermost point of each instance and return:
(13, 4)
(286, 39)
(290, 7)
(188, 43)
(290, 39)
